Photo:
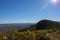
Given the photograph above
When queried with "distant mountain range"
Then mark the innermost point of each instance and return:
(42, 24)
(18, 26)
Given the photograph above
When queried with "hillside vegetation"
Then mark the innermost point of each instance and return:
(43, 30)
(31, 35)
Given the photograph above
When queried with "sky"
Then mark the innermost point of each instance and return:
(29, 11)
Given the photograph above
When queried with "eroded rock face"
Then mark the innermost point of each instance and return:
(46, 24)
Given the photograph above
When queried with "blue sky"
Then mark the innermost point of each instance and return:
(28, 11)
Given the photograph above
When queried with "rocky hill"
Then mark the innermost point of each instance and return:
(46, 24)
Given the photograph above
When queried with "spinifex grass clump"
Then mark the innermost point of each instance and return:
(31, 35)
